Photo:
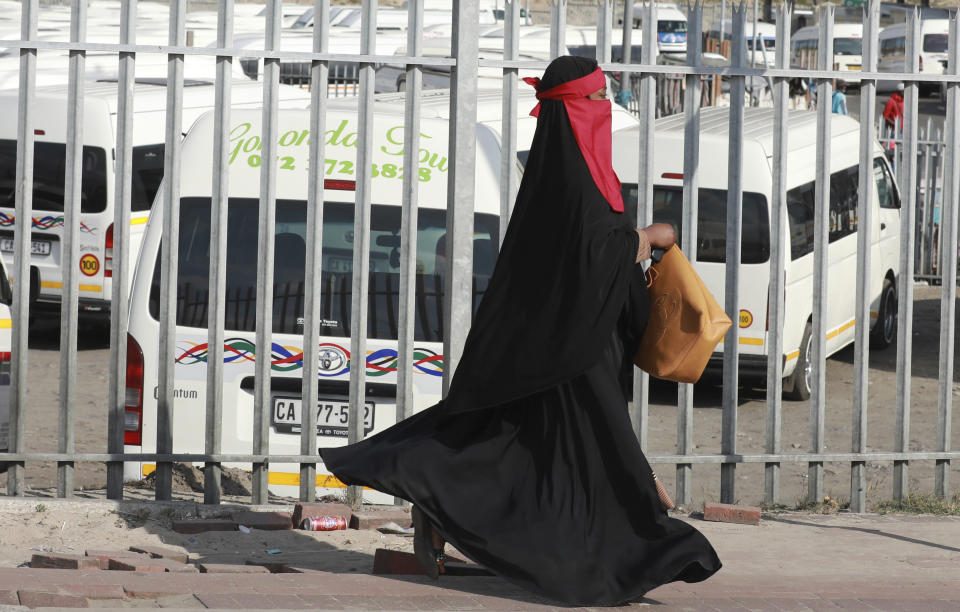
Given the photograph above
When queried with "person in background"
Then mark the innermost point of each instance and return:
(893, 110)
(840, 98)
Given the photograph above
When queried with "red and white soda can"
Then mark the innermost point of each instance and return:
(323, 523)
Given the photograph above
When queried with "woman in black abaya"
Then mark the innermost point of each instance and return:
(530, 466)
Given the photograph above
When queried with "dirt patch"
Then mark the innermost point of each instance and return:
(189, 479)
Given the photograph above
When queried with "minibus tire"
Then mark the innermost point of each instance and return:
(801, 386)
(884, 333)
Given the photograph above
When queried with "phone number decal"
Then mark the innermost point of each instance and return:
(336, 167)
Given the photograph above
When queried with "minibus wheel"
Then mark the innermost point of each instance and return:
(803, 373)
(885, 331)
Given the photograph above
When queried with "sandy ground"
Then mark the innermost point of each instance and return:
(91, 424)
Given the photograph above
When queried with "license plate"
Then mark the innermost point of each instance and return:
(332, 416)
(37, 247)
(338, 265)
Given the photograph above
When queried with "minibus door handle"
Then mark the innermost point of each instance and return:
(883, 226)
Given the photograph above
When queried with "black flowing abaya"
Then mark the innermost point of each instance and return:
(530, 466)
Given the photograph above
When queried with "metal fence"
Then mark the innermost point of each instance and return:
(459, 227)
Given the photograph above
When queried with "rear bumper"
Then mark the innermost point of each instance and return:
(91, 305)
(751, 368)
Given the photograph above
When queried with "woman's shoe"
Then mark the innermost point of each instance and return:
(430, 559)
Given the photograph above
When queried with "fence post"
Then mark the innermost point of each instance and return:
(648, 107)
(119, 307)
(779, 242)
(691, 200)
(948, 217)
(820, 263)
(905, 289)
(558, 27)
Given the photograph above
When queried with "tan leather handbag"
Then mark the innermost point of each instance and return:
(686, 323)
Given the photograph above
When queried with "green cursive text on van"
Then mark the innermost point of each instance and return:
(243, 141)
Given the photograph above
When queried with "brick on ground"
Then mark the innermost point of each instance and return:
(48, 599)
(151, 565)
(193, 526)
(104, 556)
(377, 518)
(729, 513)
(229, 568)
(159, 552)
(9, 598)
(270, 521)
(303, 510)
(63, 561)
(94, 591)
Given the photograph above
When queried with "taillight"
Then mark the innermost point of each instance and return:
(108, 253)
(678, 176)
(340, 184)
(921, 63)
(133, 415)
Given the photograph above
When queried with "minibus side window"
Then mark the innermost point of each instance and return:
(711, 221)
(935, 43)
(844, 188)
(147, 174)
(886, 189)
(800, 202)
(6, 293)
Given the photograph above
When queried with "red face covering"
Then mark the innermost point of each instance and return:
(592, 122)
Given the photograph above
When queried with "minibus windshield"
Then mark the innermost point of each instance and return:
(337, 267)
(848, 46)
(49, 164)
(711, 221)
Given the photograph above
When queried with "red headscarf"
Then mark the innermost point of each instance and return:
(592, 123)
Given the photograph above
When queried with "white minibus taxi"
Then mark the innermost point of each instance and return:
(755, 249)
(286, 356)
(847, 46)
(934, 34)
(97, 198)
(671, 27)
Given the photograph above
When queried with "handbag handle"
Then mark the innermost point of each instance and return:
(651, 273)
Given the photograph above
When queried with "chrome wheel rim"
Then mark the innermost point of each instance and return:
(890, 316)
(808, 367)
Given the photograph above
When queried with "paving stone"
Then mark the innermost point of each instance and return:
(274, 567)
(46, 599)
(63, 561)
(94, 591)
(192, 526)
(151, 565)
(228, 568)
(104, 556)
(270, 521)
(729, 513)
(159, 552)
(372, 520)
(9, 598)
(302, 510)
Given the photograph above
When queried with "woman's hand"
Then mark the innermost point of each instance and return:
(660, 235)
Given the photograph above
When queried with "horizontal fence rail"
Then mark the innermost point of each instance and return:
(438, 305)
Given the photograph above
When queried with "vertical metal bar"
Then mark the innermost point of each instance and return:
(753, 56)
(558, 28)
(905, 282)
(691, 194)
(731, 370)
(723, 18)
(69, 303)
(865, 220)
(604, 30)
(119, 308)
(408, 216)
(948, 215)
(313, 279)
(265, 244)
(169, 251)
(20, 310)
(508, 139)
(627, 48)
(458, 299)
(218, 255)
(779, 242)
(640, 407)
(361, 240)
(820, 263)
